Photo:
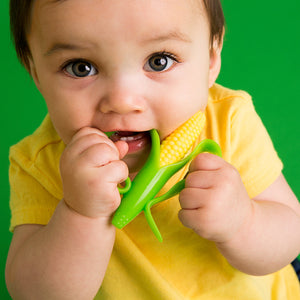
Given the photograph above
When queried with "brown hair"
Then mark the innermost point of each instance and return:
(216, 20)
(20, 16)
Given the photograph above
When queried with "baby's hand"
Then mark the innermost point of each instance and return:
(90, 169)
(214, 202)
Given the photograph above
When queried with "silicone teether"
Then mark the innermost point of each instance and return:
(163, 162)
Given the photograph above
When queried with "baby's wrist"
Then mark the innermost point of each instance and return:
(101, 220)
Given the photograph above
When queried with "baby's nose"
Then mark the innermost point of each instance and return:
(123, 96)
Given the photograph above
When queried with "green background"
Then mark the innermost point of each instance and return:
(260, 55)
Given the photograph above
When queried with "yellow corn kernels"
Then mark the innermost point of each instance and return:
(176, 145)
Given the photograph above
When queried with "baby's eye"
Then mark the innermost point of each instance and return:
(80, 68)
(159, 62)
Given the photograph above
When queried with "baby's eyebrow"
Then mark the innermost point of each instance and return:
(172, 35)
(63, 46)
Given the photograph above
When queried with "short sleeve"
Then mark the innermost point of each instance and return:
(252, 151)
(30, 202)
(35, 183)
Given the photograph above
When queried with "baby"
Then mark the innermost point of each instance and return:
(130, 66)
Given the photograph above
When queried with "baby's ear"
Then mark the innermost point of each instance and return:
(215, 61)
(33, 73)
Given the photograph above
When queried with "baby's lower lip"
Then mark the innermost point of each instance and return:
(136, 140)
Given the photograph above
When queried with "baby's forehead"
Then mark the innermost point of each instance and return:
(198, 5)
(111, 25)
(45, 7)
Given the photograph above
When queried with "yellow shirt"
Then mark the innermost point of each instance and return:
(184, 266)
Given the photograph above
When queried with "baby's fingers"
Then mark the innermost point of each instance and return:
(206, 161)
(196, 220)
(122, 148)
(86, 137)
(192, 198)
(116, 171)
(189, 218)
(98, 155)
(96, 148)
(84, 132)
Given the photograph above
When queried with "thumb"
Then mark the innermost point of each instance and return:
(207, 162)
(122, 148)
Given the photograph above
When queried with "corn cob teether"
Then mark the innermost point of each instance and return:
(163, 162)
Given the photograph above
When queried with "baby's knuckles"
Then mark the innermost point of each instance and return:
(97, 155)
(90, 176)
(225, 207)
(231, 206)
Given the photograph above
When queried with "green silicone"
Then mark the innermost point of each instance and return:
(109, 133)
(126, 188)
(141, 195)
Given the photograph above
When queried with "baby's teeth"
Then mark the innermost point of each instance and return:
(127, 138)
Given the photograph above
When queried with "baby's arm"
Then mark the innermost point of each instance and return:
(67, 258)
(257, 236)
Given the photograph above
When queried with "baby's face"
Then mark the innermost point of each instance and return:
(125, 65)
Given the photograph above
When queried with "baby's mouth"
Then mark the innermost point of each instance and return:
(136, 140)
(127, 136)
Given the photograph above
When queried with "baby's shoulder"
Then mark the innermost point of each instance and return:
(43, 142)
(221, 94)
(227, 103)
